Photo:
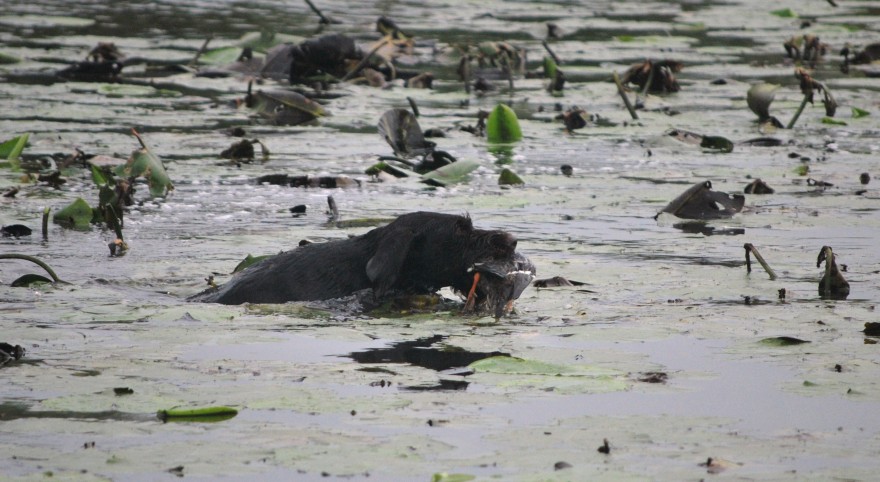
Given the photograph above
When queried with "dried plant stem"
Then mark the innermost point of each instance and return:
(46, 223)
(751, 249)
(366, 59)
(623, 96)
(798, 112)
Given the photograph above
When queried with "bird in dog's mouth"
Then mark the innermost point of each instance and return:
(498, 283)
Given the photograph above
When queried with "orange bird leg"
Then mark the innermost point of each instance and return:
(471, 297)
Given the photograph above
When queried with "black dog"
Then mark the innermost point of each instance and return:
(417, 253)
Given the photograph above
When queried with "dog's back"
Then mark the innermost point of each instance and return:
(418, 252)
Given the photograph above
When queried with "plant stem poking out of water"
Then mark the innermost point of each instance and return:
(808, 85)
(34, 260)
(832, 285)
(626, 101)
(750, 249)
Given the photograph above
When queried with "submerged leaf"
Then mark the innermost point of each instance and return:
(717, 143)
(205, 414)
(832, 121)
(401, 130)
(502, 126)
(30, 280)
(701, 202)
(450, 174)
(783, 341)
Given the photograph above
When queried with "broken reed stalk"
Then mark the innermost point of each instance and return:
(135, 133)
(798, 112)
(46, 223)
(751, 249)
(413, 106)
(829, 261)
(623, 96)
(466, 72)
(202, 50)
(552, 54)
(32, 259)
(334, 211)
(366, 59)
(324, 19)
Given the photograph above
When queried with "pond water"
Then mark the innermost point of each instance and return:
(662, 352)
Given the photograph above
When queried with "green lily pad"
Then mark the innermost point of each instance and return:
(454, 173)
(518, 366)
(832, 121)
(220, 56)
(502, 126)
(249, 261)
(143, 163)
(77, 215)
(508, 178)
(784, 13)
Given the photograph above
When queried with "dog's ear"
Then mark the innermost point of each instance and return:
(387, 262)
(463, 226)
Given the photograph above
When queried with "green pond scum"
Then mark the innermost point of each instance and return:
(670, 359)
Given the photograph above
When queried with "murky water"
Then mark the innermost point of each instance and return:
(657, 300)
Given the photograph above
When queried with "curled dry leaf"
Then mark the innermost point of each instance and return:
(701, 202)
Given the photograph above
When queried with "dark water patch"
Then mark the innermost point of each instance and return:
(421, 353)
(14, 411)
(442, 385)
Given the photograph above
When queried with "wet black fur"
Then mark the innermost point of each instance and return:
(417, 253)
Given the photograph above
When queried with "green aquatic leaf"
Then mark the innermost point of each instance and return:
(549, 68)
(204, 414)
(832, 121)
(6, 59)
(518, 366)
(784, 13)
(143, 163)
(249, 261)
(77, 215)
(508, 177)
(286, 107)
(220, 56)
(454, 173)
(447, 477)
(717, 143)
(857, 113)
(11, 149)
(502, 126)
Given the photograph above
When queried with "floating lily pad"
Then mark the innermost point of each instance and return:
(30, 280)
(858, 113)
(832, 121)
(454, 173)
(784, 13)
